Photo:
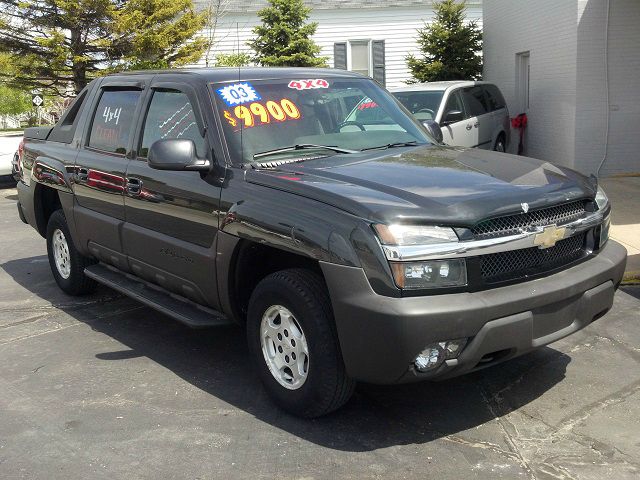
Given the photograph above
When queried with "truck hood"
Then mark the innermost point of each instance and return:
(443, 185)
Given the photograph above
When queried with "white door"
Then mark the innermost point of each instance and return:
(460, 133)
(522, 81)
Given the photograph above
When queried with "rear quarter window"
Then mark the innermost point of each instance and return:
(113, 120)
(65, 129)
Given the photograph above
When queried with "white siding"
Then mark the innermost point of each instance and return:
(547, 29)
(397, 26)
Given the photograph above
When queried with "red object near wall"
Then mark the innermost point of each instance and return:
(520, 123)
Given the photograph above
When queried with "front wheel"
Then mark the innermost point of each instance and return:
(67, 264)
(292, 339)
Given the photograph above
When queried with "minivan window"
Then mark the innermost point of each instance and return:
(113, 120)
(454, 102)
(475, 100)
(494, 97)
(170, 115)
(424, 105)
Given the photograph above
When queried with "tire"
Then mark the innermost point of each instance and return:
(325, 386)
(68, 271)
(500, 145)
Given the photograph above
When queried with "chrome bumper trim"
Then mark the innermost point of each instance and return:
(472, 248)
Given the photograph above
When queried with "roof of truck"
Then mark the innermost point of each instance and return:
(230, 74)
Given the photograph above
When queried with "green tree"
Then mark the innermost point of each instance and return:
(14, 101)
(284, 38)
(233, 59)
(450, 47)
(55, 44)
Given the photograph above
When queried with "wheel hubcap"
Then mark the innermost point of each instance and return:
(500, 147)
(61, 253)
(284, 347)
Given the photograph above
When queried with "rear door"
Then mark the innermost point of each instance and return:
(499, 111)
(100, 169)
(171, 217)
(460, 133)
(479, 116)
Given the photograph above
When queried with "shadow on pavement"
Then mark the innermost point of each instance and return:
(216, 361)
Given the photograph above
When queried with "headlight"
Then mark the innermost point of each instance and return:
(601, 199)
(430, 274)
(414, 234)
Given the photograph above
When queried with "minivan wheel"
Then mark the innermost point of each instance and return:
(294, 345)
(500, 145)
(67, 264)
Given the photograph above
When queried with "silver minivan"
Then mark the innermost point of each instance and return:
(470, 114)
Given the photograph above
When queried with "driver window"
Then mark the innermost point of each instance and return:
(170, 115)
(454, 102)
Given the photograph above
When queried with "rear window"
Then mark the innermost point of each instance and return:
(423, 105)
(475, 100)
(494, 97)
(113, 120)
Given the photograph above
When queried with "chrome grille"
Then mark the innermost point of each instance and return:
(514, 264)
(512, 224)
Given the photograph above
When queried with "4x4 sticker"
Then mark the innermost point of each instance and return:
(279, 111)
(238, 93)
(308, 84)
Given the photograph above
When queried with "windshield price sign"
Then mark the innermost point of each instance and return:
(280, 111)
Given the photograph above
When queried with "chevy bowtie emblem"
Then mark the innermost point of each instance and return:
(525, 207)
(549, 236)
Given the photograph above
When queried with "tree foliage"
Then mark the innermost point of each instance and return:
(284, 38)
(13, 101)
(450, 46)
(233, 59)
(55, 44)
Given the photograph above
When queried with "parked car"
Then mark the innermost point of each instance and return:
(350, 250)
(470, 114)
(8, 145)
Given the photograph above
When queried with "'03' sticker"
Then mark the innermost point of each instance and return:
(238, 93)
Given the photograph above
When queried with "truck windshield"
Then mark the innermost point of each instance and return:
(348, 114)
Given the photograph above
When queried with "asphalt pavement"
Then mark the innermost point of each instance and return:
(100, 387)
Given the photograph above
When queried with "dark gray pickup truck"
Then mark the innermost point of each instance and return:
(308, 206)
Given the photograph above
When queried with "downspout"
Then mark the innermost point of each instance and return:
(606, 88)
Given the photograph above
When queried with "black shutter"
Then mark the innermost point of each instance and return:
(377, 54)
(340, 55)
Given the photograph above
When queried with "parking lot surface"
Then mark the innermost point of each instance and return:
(102, 387)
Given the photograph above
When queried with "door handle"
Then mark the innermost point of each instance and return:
(82, 175)
(469, 127)
(134, 186)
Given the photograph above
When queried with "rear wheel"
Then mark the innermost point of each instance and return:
(292, 339)
(500, 145)
(67, 264)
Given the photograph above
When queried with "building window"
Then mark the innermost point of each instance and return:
(361, 57)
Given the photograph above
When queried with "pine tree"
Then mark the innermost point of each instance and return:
(284, 38)
(450, 47)
(55, 44)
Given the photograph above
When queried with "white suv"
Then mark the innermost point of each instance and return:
(470, 114)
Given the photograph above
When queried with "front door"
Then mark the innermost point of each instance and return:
(462, 133)
(171, 217)
(100, 172)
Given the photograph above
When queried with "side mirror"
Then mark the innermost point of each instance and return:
(452, 116)
(176, 154)
(434, 130)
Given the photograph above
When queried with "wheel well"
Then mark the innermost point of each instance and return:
(252, 263)
(45, 201)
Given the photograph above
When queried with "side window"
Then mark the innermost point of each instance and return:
(170, 115)
(454, 102)
(494, 97)
(475, 101)
(64, 130)
(113, 120)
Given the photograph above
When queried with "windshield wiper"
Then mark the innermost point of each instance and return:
(302, 146)
(412, 143)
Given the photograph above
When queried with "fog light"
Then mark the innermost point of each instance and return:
(436, 353)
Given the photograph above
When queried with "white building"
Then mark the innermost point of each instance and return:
(574, 67)
(368, 36)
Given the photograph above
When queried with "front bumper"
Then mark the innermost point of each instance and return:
(380, 336)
